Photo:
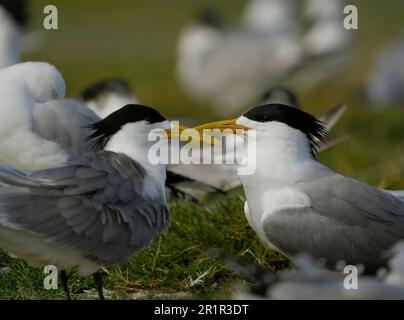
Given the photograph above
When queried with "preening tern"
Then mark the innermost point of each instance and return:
(296, 204)
(98, 209)
(66, 204)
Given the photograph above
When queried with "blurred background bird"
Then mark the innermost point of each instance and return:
(231, 66)
(271, 17)
(308, 280)
(386, 78)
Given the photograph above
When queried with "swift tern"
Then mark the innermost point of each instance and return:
(296, 204)
(13, 21)
(98, 209)
(67, 202)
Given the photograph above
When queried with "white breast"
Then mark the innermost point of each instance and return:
(271, 203)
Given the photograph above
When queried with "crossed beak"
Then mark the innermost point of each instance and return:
(198, 133)
(186, 134)
(222, 125)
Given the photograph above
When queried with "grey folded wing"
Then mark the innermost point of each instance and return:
(347, 220)
(64, 122)
(95, 207)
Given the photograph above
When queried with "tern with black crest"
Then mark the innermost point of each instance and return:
(296, 204)
(97, 209)
(69, 199)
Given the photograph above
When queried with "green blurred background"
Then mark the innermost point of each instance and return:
(137, 40)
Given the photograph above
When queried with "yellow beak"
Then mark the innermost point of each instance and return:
(222, 125)
(186, 134)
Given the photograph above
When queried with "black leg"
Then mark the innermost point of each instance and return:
(98, 284)
(64, 279)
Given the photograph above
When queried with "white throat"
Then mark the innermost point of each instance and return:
(10, 40)
(283, 157)
(134, 143)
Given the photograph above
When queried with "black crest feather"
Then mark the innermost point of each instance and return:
(314, 129)
(103, 130)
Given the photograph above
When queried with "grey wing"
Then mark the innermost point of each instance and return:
(64, 122)
(95, 208)
(347, 220)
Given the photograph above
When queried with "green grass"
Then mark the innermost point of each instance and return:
(169, 263)
(136, 40)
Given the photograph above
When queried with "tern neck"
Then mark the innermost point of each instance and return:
(10, 40)
(135, 145)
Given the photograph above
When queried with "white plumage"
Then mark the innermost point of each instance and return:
(69, 198)
(296, 204)
(271, 17)
(12, 23)
(24, 88)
